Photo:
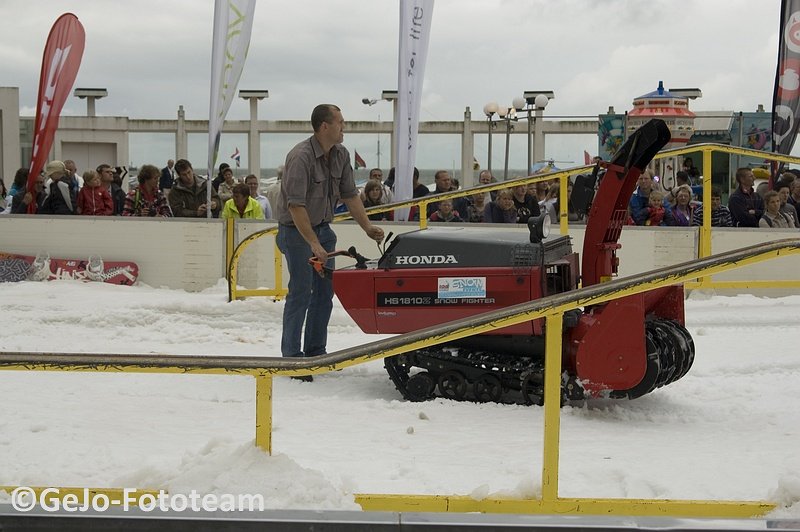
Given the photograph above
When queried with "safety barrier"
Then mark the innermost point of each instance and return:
(704, 243)
(551, 308)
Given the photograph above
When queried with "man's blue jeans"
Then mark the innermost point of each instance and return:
(310, 296)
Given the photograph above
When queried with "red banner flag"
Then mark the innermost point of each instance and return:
(359, 162)
(60, 63)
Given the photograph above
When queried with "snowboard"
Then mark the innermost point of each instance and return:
(14, 268)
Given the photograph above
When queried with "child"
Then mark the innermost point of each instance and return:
(773, 217)
(655, 209)
(445, 213)
(94, 199)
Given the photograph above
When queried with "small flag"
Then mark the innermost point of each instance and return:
(475, 164)
(359, 162)
(587, 159)
(237, 157)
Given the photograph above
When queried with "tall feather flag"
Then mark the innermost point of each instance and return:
(233, 24)
(60, 63)
(786, 95)
(236, 156)
(359, 162)
(415, 29)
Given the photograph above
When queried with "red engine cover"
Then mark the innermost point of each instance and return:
(399, 301)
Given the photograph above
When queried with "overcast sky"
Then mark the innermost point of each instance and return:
(154, 56)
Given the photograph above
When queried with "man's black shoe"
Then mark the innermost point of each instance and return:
(304, 378)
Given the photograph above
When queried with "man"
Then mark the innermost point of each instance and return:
(794, 197)
(745, 204)
(167, 177)
(720, 215)
(252, 185)
(117, 194)
(242, 205)
(60, 198)
(376, 174)
(444, 183)
(640, 200)
(72, 178)
(23, 198)
(273, 191)
(188, 196)
(317, 173)
(486, 178)
(147, 199)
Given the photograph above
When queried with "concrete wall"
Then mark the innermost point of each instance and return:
(190, 253)
(9, 134)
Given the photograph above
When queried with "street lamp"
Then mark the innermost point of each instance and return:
(537, 101)
(389, 96)
(489, 110)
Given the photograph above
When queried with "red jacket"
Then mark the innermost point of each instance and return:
(95, 201)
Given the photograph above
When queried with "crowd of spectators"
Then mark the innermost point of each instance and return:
(176, 190)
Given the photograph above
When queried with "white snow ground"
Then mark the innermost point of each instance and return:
(729, 430)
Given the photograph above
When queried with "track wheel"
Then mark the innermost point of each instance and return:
(488, 388)
(420, 387)
(533, 389)
(452, 385)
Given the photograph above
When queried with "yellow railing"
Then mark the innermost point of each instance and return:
(551, 308)
(233, 254)
(704, 243)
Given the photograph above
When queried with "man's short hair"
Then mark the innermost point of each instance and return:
(376, 170)
(251, 176)
(322, 113)
(436, 175)
(680, 175)
(716, 192)
(181, 165)
(741, 172)
(101, 167)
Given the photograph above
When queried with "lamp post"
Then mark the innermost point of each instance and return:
(388, 96)
(489, 110)
(537, 101)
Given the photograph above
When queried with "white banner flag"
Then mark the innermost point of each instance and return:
(415, 30)
(233, 23)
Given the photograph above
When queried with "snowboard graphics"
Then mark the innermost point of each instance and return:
(14, 268)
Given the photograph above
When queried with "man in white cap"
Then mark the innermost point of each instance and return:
(60, 199)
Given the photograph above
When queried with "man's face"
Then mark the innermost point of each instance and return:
(485, 178)
(186, 176)
(170, 163)
(645, 182)
(376, 174)
(747, 179)
(71, 168)
(442, 181)
(334, 130)
(716, 203)
(39, 184)
(106, 176)
(252, 184)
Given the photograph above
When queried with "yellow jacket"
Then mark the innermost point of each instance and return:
(252, 210)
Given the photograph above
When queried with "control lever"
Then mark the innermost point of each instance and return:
(327, 273)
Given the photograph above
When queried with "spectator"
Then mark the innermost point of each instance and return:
(572, 214)
(476, 207)
(794, 197)
(486, 178)
(690, 169)
(679, 214)
(444, 183)
(745, 205)
(147, 199)
(167, 177)
(71, 178)
(782, 188)
(94, 199)
(252, 184)
(773, 217)
(720, 215)
(106, 174)
(655, 210)
(526, 205)
(273, 191)
(188, 196)
(220, 176)
(549, 203)
(241, 205)
(225, 189)
(501, 210)
(639, 204)
(4, 197)
(418, 190)
(373, 192)
(60, 199)
(681, 178)
(23, 198)
(20, 181)
(376, 174)
(445, 213)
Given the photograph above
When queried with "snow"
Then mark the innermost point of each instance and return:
(728, 430)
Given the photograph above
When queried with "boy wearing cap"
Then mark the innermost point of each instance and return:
(60, 199)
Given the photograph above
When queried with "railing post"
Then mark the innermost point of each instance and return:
(552, 406)
(264, 412)
(229, 244)
(423, 216)
(563, 204)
